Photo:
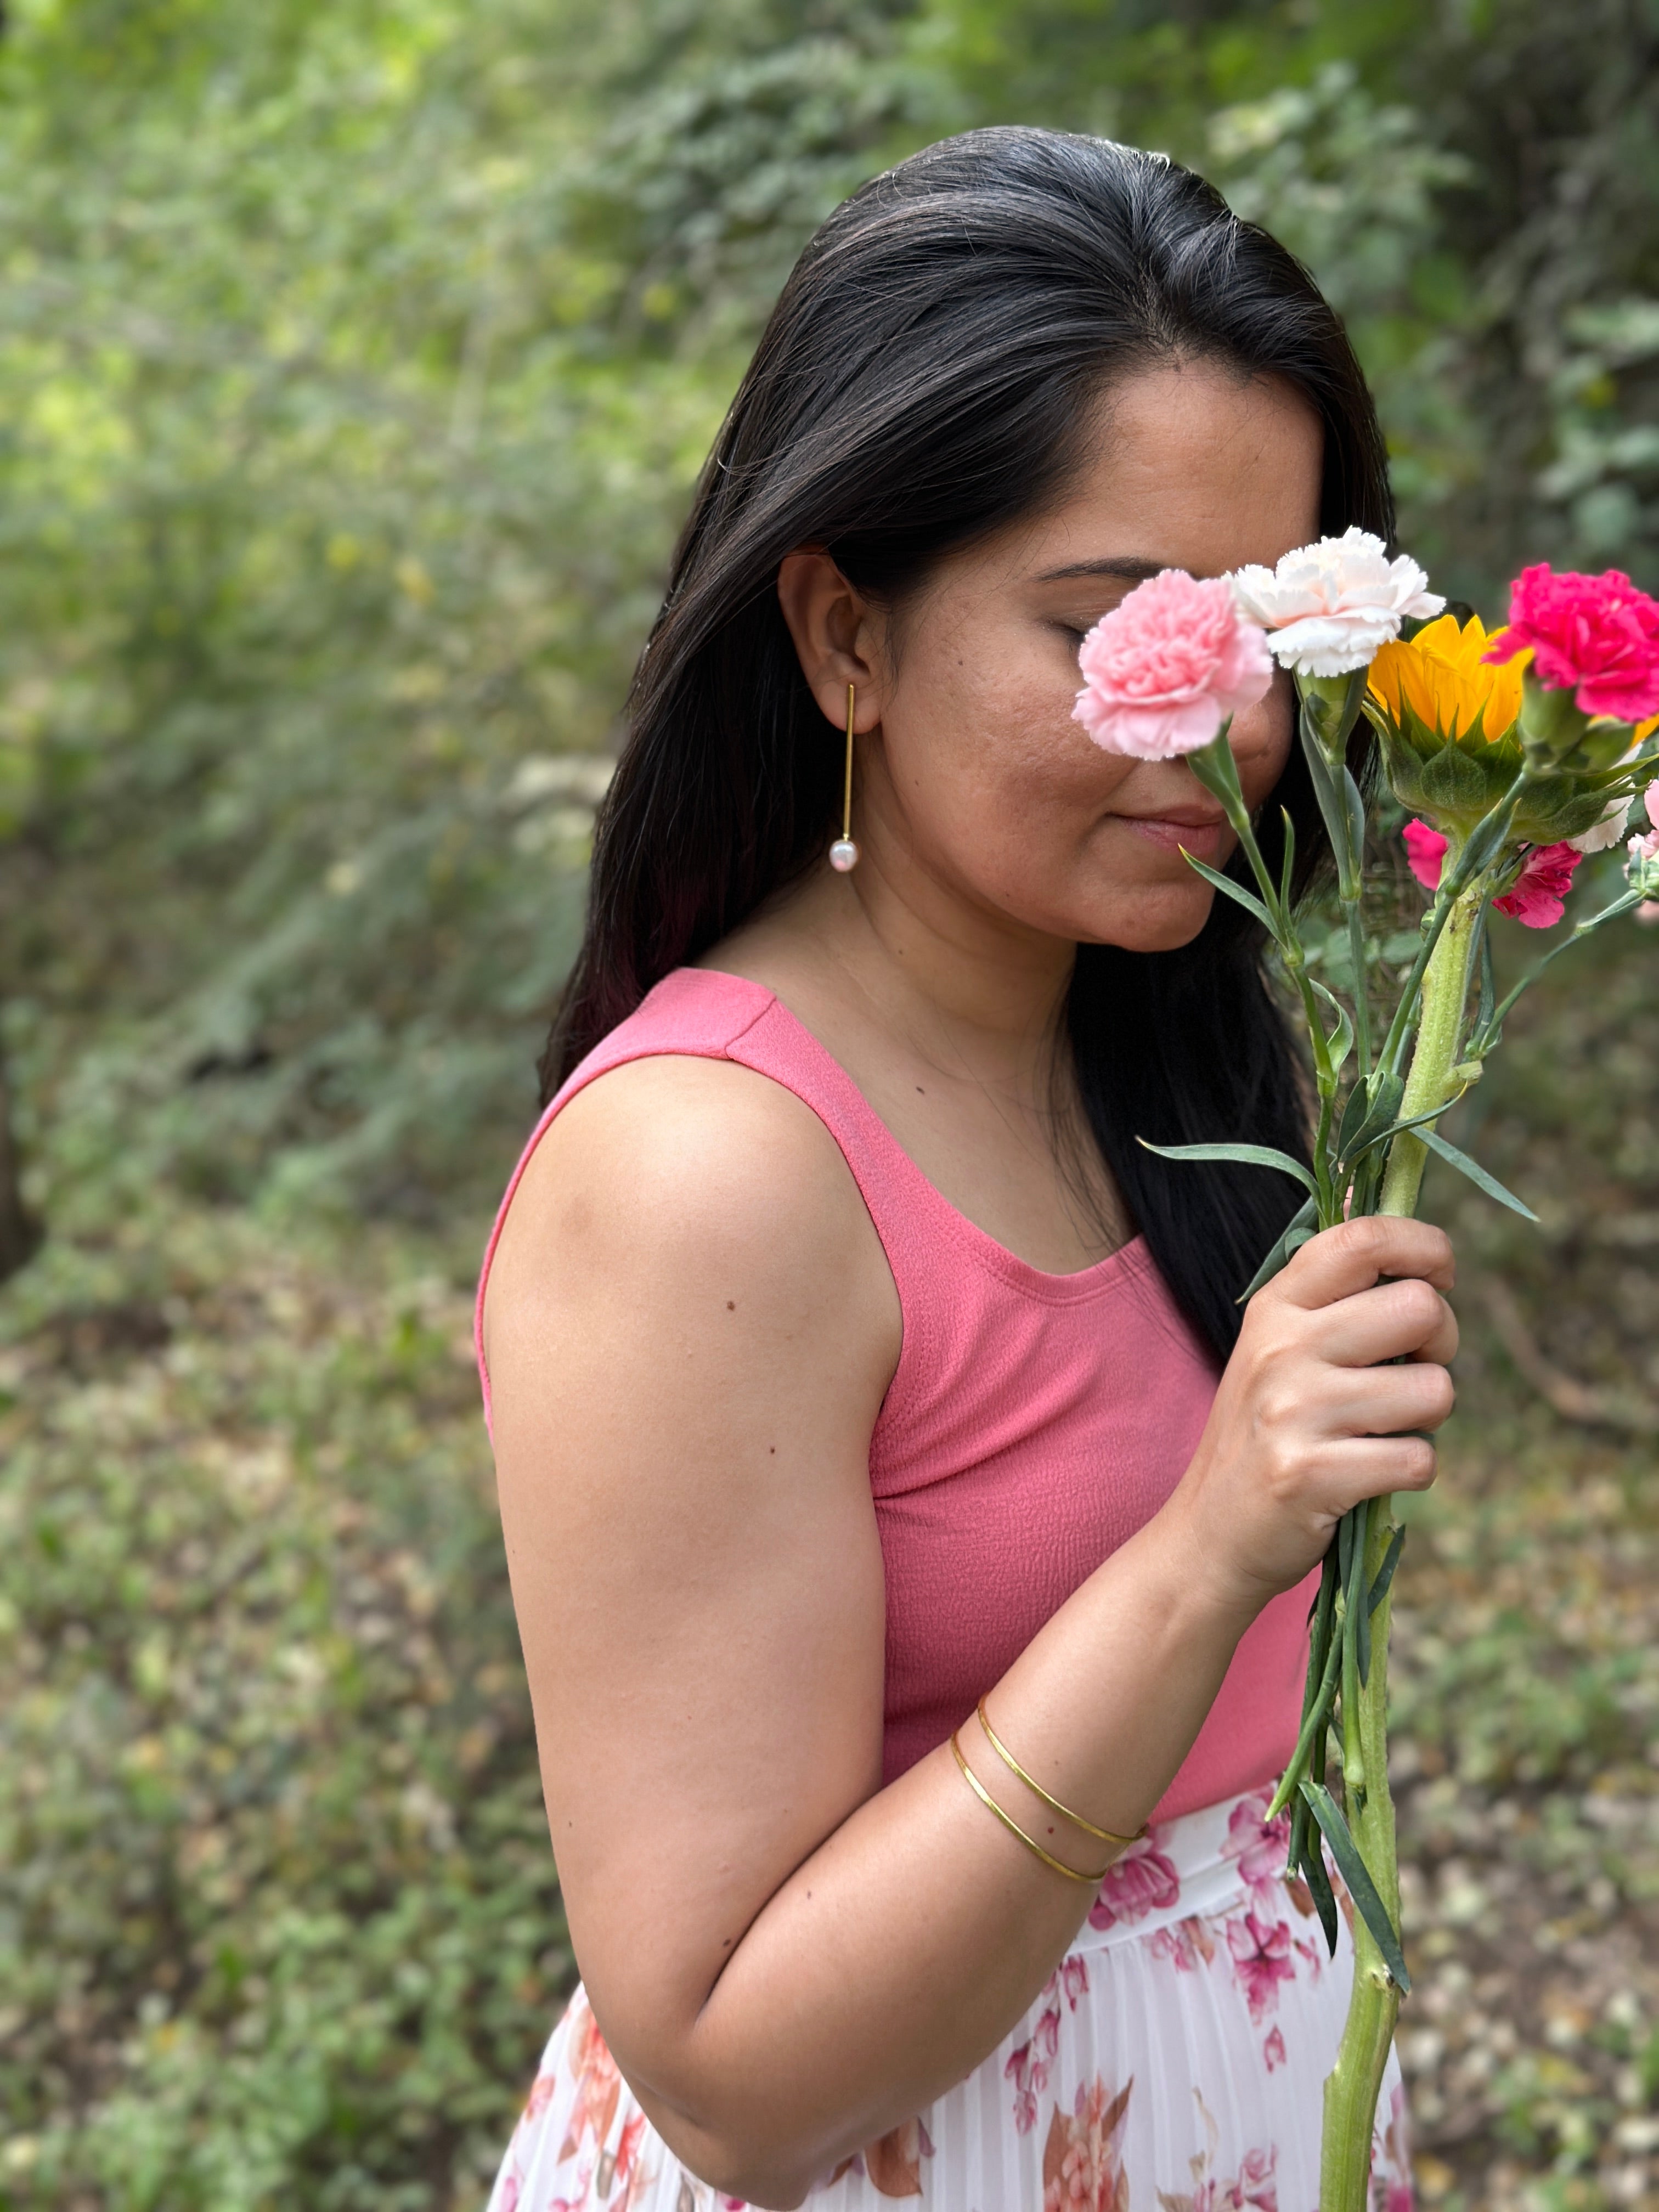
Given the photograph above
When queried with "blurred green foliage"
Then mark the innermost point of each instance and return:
(278, 1907)
(356, 359)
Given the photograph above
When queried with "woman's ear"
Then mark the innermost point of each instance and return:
(837, 634)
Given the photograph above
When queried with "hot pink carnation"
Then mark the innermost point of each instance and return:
(1162, 672)
(1596, 636)
(1537, 898)
(1425, 851)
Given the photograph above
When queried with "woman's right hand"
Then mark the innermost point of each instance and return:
(1311, 1417)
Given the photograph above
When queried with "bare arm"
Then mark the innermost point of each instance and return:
(690, 1327)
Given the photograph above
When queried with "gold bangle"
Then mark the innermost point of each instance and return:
(1013, 1826)
(1100, 1835)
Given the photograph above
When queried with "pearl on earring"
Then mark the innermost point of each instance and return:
(843, 855)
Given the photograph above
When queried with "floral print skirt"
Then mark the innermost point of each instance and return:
(1173, 2063)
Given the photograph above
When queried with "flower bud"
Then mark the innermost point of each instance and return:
(1551, 724)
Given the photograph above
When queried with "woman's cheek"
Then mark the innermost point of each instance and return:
(1262, 741)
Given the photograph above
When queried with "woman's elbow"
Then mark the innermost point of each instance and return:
(742, 2172)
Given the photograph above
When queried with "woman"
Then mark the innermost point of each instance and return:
(902, 1516)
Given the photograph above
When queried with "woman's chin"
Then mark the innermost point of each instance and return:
(1153, 920)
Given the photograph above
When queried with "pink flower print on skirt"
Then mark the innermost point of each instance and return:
(1143, 1881)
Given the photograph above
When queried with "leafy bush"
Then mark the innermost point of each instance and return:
(280, 1923)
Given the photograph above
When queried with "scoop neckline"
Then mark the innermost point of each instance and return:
(1130, 1261)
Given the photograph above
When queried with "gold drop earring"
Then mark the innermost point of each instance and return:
(844, 853)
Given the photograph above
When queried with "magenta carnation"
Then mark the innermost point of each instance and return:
(1596, 636)
(1537, 896)
(1163, 671)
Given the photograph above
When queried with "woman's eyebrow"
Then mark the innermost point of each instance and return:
(1129, 566)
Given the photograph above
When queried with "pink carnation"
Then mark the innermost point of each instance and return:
(1426, 850)
(1646, 846)
(1539, 894)
(1163, 671)
(1596, 636)
(1645, 851)
(1536, 898)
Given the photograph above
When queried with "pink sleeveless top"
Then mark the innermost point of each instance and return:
(1034, 1422)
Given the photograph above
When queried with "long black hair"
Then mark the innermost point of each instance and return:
(920, 382)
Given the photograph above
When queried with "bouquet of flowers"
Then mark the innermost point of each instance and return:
(1514, 753)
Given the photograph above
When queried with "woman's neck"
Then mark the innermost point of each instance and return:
(974, 994)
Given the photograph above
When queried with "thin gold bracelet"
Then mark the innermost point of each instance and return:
(1013, 1826)
(1101, 1835)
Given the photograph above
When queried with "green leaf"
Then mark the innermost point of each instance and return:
(1356, 1107)
(1302, 1224)
(1379, 1589)
(1249, 1156)
(1488, 980)
(1317, 1701)
(1476, 1174)
(1354, 1871)
(1358, 1613)
(1485, 842)
(1339, 1043)
(1246, 899)
(1330, 807)
(1382, 1099)
(1417, 1122)
(1356, 806)
(1319, 1882)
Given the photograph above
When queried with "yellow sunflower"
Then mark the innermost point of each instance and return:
(1441, 678)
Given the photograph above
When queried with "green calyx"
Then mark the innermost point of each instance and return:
(1454, 782)
(1558, 734)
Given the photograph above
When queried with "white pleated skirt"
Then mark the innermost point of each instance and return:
(1173, 2063)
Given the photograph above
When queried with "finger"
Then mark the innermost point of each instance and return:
(1381, 1402)
(1355, 1254)
(1394, 1320)
(1442, 1347)
(1371, 1467)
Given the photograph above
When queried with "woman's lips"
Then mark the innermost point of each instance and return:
(1202, 837)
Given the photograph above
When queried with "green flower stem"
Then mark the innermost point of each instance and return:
(1354, 2082)
(1362, 997)
(1482, 847)
(1439, 1041)
(1352, 2086)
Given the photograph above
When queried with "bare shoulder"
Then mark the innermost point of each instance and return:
(672, 1173)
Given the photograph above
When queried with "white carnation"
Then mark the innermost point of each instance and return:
(1602, 836)
(1327, 608)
